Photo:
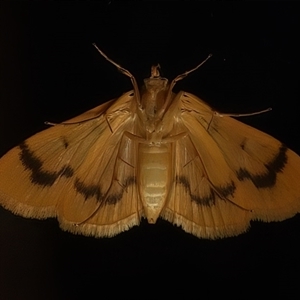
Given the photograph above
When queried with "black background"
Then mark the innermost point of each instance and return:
(50, 71)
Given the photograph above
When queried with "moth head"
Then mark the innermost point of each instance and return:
(155, 83)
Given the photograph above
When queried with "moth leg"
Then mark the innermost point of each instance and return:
(243, 115)
(71, 123)
(217, 114)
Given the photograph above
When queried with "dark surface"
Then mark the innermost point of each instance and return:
(50, 72)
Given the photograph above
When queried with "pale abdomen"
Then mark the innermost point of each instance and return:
(154, 177)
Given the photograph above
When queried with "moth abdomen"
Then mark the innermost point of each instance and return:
(154, 177)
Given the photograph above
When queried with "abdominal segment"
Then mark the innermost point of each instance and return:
(154, 177)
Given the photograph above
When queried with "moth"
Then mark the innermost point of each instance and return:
(152, 153)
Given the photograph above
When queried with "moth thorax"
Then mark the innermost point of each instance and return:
(154, 95)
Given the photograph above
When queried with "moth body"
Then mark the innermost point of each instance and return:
(154, 156)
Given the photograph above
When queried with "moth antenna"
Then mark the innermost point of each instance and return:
(175, 80)
(186, 73)
(125, 72)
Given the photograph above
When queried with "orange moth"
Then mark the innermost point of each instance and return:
(152, 153)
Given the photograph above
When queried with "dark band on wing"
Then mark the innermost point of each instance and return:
(268, 179)
(114, 198)
(94, 191)
(225, 191)
(210, 198)
(39, 176)
(88, 191)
